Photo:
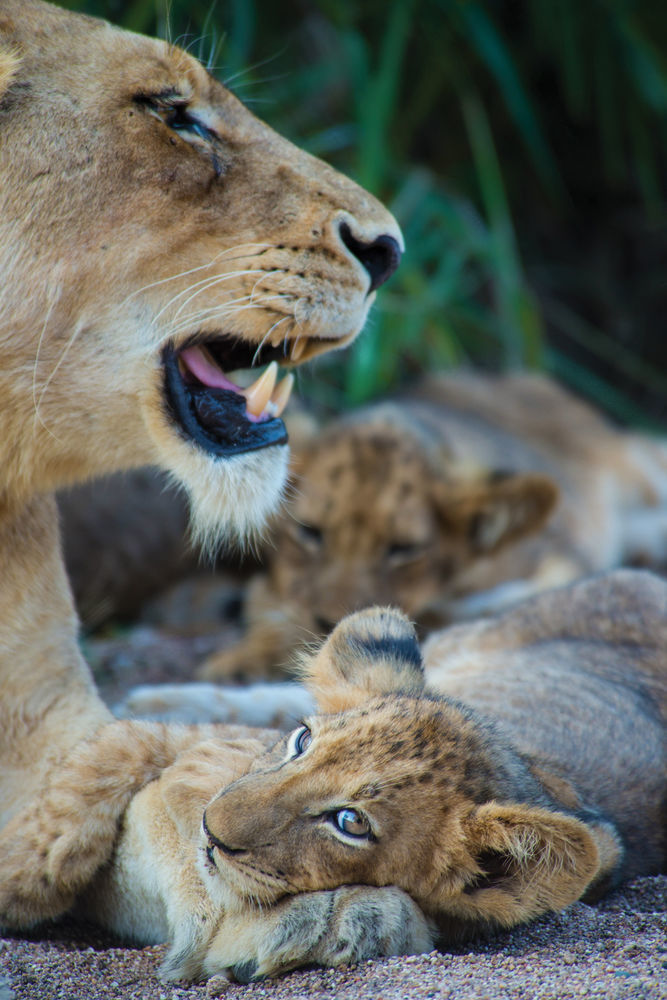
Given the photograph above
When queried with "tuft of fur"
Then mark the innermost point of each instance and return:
(219, 519)
(10, 60)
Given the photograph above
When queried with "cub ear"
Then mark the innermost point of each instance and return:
(370, 653)
(9, 64)
(527, 861)
(498, 510)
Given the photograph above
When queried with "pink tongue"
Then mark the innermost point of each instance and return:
(203, 369)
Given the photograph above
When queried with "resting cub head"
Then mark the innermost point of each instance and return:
(155, 237)
(382, 513)
(394, 787)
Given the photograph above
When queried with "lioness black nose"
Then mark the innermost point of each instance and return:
(380, 258)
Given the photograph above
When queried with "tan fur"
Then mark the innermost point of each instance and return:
(9, 64)
(466, 496)
(528, 773)
(121, 235)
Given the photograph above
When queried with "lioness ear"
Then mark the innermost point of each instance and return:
(527, 860)
(370, 653)
(9, 64)
(497, 510)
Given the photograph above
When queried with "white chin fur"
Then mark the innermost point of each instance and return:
(230, 498)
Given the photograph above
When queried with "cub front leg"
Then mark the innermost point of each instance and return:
(330, 928)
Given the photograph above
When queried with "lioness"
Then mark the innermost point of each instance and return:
(154, 237)
(530, 771)
(458, 499)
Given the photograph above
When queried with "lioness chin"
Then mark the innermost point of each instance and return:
(154, 238)
(527, 773)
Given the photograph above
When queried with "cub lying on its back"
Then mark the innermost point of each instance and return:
(155, 237)
(465, 496)
(530, 771)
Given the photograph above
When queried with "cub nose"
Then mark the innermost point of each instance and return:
(380, 258)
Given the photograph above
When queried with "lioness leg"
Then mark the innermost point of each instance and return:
(49, 702)
(68, 770)
(53, 846)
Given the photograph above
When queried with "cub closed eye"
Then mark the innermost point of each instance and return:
(352, 823)
(299, 742)
(403, 552)
(308, 535)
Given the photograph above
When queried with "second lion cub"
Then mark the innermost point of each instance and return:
(460, 499)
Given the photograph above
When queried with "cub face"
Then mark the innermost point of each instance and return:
(377, 517)
(154, 238)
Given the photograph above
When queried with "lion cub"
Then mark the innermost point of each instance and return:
(470, 494)
(527, 773)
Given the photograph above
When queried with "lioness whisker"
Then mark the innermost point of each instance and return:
(249, 69)
(266, 337)
(201, 267)
(203, 285)
(37, 402)
(221, 312)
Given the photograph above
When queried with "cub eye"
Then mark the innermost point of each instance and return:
(352, 823)
(299, 742)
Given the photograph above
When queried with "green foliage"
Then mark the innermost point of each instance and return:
(499, 133)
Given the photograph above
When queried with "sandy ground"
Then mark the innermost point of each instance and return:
(617, 949)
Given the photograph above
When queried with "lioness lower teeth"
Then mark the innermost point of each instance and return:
(259, 393)
(279, 399)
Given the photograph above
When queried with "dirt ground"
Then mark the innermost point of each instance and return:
(617, 949)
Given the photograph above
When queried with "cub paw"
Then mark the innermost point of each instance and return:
(330, 928)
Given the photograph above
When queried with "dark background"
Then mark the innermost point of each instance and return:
(522, 146)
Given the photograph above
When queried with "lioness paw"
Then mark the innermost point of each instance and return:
(328, 928)
(51, 849)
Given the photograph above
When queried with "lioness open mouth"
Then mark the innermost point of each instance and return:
(215, 412)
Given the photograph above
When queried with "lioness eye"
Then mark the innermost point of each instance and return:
(299, 742)
(352, 823)
(179, 120)
(173, 111)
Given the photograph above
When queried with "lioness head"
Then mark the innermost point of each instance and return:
(383, 513)
(155, 237)
(393, 786)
